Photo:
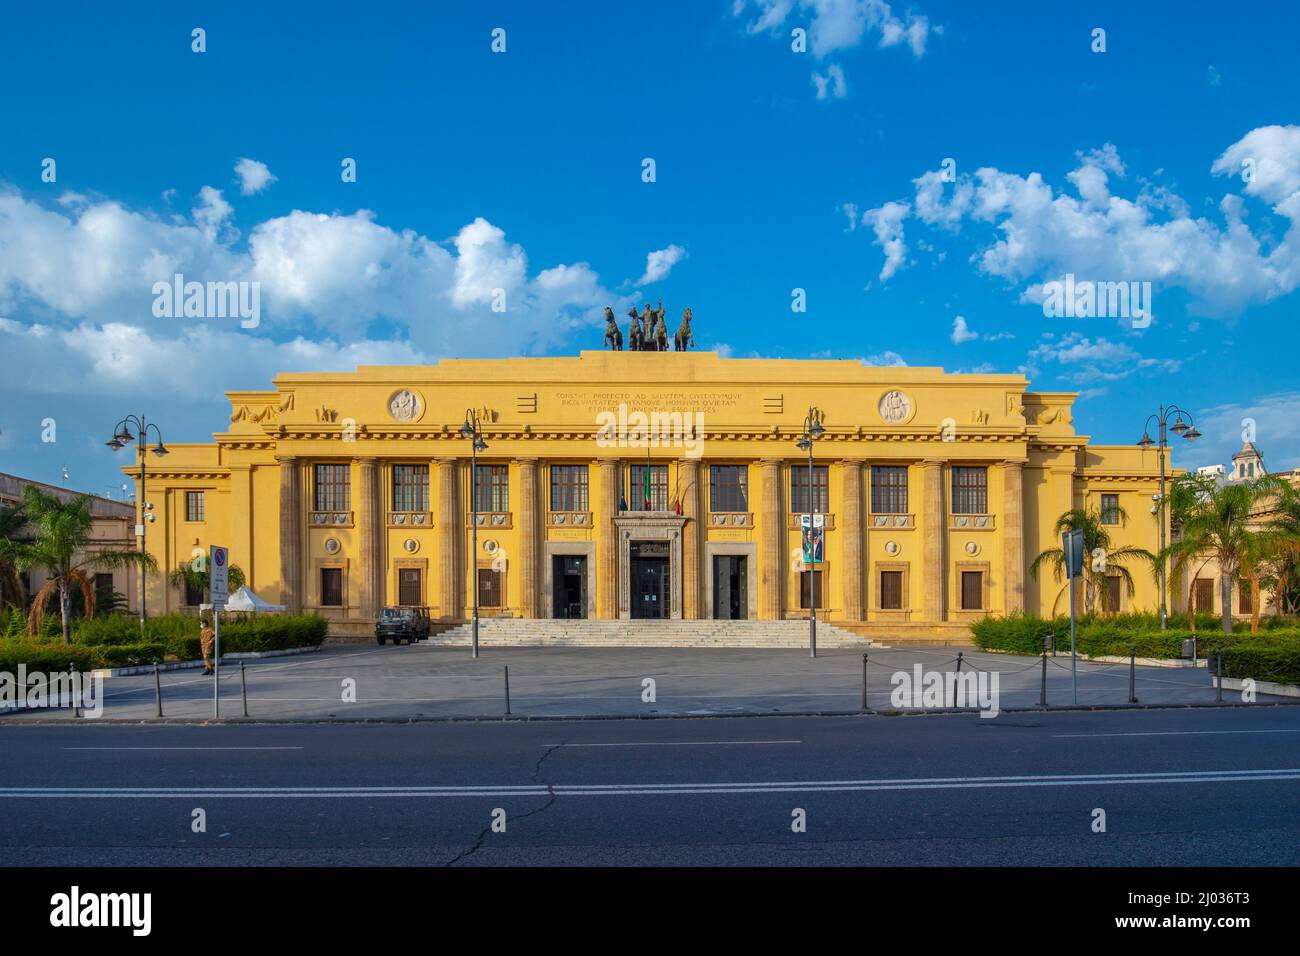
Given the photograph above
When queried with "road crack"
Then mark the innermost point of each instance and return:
(551, 797)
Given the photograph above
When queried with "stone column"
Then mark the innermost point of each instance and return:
(933, 552)
(241, 525)
(1012, 520)
(689, 478)
(291, 595)
(370, 538)
(528, 539)
(849, 525)
(449, 561)
(771, 559)
(607, 540)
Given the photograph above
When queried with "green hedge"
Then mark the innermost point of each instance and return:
(114, 641)
(1263, 662)
(1271, 654)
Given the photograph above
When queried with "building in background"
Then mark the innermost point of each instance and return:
(113, 527)
(340, 493)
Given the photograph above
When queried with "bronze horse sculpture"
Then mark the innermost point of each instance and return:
(683, 340)
(634, 334)
(613, 337)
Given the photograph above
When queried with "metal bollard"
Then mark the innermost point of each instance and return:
(76, 698)
(1219, 696)
(507, 670)
(157, 689)
(1042, 690)
(243, 687)
(1132, 674)
(954, 683)
(864, 681)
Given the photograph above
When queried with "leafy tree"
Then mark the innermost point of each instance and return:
(12, 530)
(1224, 523)
(193, 576)
(61, 543)
(1095, 536)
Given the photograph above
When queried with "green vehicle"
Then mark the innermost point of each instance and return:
(399, 624)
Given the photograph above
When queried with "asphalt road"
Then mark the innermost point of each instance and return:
(1213, 787)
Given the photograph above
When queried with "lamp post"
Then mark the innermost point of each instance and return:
(812, 430)
(1183, 429)
(470, 430)
(121, 437)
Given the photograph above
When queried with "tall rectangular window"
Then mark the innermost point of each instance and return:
(410, 592)
(636, 491)
(333, 490)
(806, 581)
(492, 490)
(1204, 595)
(410, 487)
(331, 587)
(569, 488)
(728, 488)
(489, 588)
(970, 490)
(194, 506)
(1244, 597)
(1112, 594)
(972, 590)
(799, 490)
(1110, 509)
(889, 489)
(891, 590)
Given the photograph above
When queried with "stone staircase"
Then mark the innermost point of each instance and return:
(534, 632)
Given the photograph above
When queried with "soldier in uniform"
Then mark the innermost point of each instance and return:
(207, 637)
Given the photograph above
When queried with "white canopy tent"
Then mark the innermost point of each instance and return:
(246, 600)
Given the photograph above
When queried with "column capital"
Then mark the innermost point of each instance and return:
(934, 462)
(286, 459)
(1017, 462)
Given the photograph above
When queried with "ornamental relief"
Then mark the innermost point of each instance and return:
(895, 408)
(406, 406)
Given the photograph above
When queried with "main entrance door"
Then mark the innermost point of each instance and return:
(730, 587)
(569, 585)
(651, 597)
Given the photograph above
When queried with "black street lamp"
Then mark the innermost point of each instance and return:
(1185, 430)
(470, 430)
(121, 438)
(812, 430)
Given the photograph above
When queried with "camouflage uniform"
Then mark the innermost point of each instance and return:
(207, 636)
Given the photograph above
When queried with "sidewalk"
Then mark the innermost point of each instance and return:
(420, 682)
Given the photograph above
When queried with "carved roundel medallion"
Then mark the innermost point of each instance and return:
(895, 408)
(406, 406)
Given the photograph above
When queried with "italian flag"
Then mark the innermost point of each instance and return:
(647, 483)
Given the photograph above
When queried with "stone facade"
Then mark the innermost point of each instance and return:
(982, 469)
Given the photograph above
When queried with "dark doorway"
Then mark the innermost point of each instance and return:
(730, 587)
(651, 597)
(569, 585)
(410, 592)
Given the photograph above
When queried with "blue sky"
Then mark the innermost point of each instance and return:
(522, 171)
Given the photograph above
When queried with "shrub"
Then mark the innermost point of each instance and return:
(44, 656)
(1274, 662)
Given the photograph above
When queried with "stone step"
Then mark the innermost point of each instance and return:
(531, 632)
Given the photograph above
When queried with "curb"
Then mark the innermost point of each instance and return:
(542, 718)
(138, 669)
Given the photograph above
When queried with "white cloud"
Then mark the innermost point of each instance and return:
(1041, 233)
(887, 224)
(1091, 362)
(961, 332)
(887, 359)
(76, 280)
(831, 85)
(837, 25)
(253, 176)
(1277, 431)
(659, 263)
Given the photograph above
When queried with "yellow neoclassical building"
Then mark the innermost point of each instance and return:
(647, 485)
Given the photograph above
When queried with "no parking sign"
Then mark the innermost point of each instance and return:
(218, 575)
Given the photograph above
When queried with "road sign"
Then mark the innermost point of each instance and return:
(218, 575)
(1072, 544)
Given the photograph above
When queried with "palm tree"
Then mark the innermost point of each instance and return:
(62, 545)
(1224, 523)
(1285, 521)
(12, 525)
(1095, 536)
(189, 577)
